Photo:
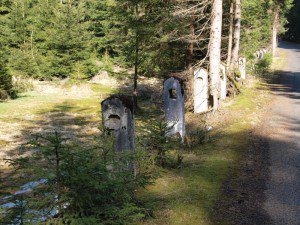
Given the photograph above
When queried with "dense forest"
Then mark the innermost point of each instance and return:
(293, 33)
(75, 40)
(58, 39)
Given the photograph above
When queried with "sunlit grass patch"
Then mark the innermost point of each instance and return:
(188, 195)
(185, 195)
(3, 143)
(99, 88)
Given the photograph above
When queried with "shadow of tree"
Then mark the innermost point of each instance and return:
(245, 191)
(240, 199)
(74, 123)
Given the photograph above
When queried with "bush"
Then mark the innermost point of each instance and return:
(263, 65)
(22, 85)
(83, 186)
(156, 141)
(196, 138)
(4, 95)
(237, 73)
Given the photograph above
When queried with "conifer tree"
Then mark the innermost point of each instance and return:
(294, 23)
(5, 79)
(138, 31)
(66, 49)
(279, 9)
(5, 76)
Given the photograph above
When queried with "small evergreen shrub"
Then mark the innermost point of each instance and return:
(155, 140)
(263, 65)
(83, 185)
(6, 87)
(196, 137)
(21, 84)
(237, 73)
(4, 95)
(107, 63)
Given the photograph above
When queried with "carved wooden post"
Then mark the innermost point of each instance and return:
(173, 96)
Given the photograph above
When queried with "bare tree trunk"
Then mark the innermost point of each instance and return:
(135, 79)
(230, 36)
(136, 64)
(215, 50)
(57, 146)
(236, 36)
(191, 44)
(275, 32)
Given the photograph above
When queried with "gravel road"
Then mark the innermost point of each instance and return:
(283, 187)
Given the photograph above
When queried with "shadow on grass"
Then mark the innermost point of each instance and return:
(221, 182)
(77, 124)
(192, 194)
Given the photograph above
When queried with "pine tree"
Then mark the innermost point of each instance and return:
(5, 76)
(5, 79)
(50, 38)
(21, 60)
(294, 23)
(138, 30)
(66, 49)
(279, 9)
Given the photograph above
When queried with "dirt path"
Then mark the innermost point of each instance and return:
(283, 187)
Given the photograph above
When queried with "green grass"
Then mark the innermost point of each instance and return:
(188, 195)
(179, 196)
(99, 88)
(33, 103)
(20, 118)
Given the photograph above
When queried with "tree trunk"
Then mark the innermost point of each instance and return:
(57, 146)
(230, 36)
(236, 36)
(135, 79)
(191, 44)
(275, 32)
(136, 63)
(215, 50)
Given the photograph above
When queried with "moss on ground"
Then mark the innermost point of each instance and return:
(188, 195)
